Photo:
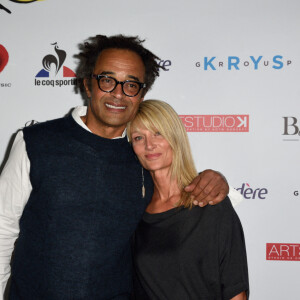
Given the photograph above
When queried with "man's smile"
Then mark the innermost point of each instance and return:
(113, 106)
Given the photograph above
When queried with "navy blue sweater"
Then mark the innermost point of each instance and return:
(85, 204)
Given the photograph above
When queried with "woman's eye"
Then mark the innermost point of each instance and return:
(137, 138)
(157, 133)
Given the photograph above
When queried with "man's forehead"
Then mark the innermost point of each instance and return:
(113, 61)
(112, 54)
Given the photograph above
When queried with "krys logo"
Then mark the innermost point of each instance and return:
(215, 123)
(276, 62)
(252, 193)
(278, 251)
(291, 129)
(3, 58)
(53, 66)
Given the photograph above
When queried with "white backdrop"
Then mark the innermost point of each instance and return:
(251, 50)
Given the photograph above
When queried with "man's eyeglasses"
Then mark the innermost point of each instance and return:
(129, 87)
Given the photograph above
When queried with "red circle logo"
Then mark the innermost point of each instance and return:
(3, 58)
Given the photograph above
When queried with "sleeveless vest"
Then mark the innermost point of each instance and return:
(85, 204)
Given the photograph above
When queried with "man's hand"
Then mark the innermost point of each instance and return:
(209, 187)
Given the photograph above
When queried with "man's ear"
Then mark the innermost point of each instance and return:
(86, 87)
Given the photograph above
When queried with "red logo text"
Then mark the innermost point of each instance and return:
(279, 251)
(216, 123)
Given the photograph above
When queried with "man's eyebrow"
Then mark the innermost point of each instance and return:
(107, 73)
(113, 73)
(134, 78)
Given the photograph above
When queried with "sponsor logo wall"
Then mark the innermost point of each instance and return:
(230, 71)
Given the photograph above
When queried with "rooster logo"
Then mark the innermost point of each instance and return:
(51, 61)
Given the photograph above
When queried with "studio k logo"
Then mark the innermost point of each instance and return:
(278, 251)
(291, 130)
(212, 63)
(215, 123)
(4, 57)
(54, 67)
(252, 193)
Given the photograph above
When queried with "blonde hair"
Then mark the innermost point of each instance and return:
(159, 116)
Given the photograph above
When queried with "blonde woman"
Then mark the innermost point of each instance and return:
(180, 251)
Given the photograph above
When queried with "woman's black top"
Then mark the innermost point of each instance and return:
(196, 253)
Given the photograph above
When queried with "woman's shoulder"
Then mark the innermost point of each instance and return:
(217, 214)
(225, 206)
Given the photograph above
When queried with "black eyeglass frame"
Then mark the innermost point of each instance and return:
(99, 76)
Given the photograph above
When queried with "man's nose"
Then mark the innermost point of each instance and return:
(118, 92)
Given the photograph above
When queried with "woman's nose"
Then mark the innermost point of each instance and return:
(150, 145)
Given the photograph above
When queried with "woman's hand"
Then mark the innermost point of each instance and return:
(209, 187)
